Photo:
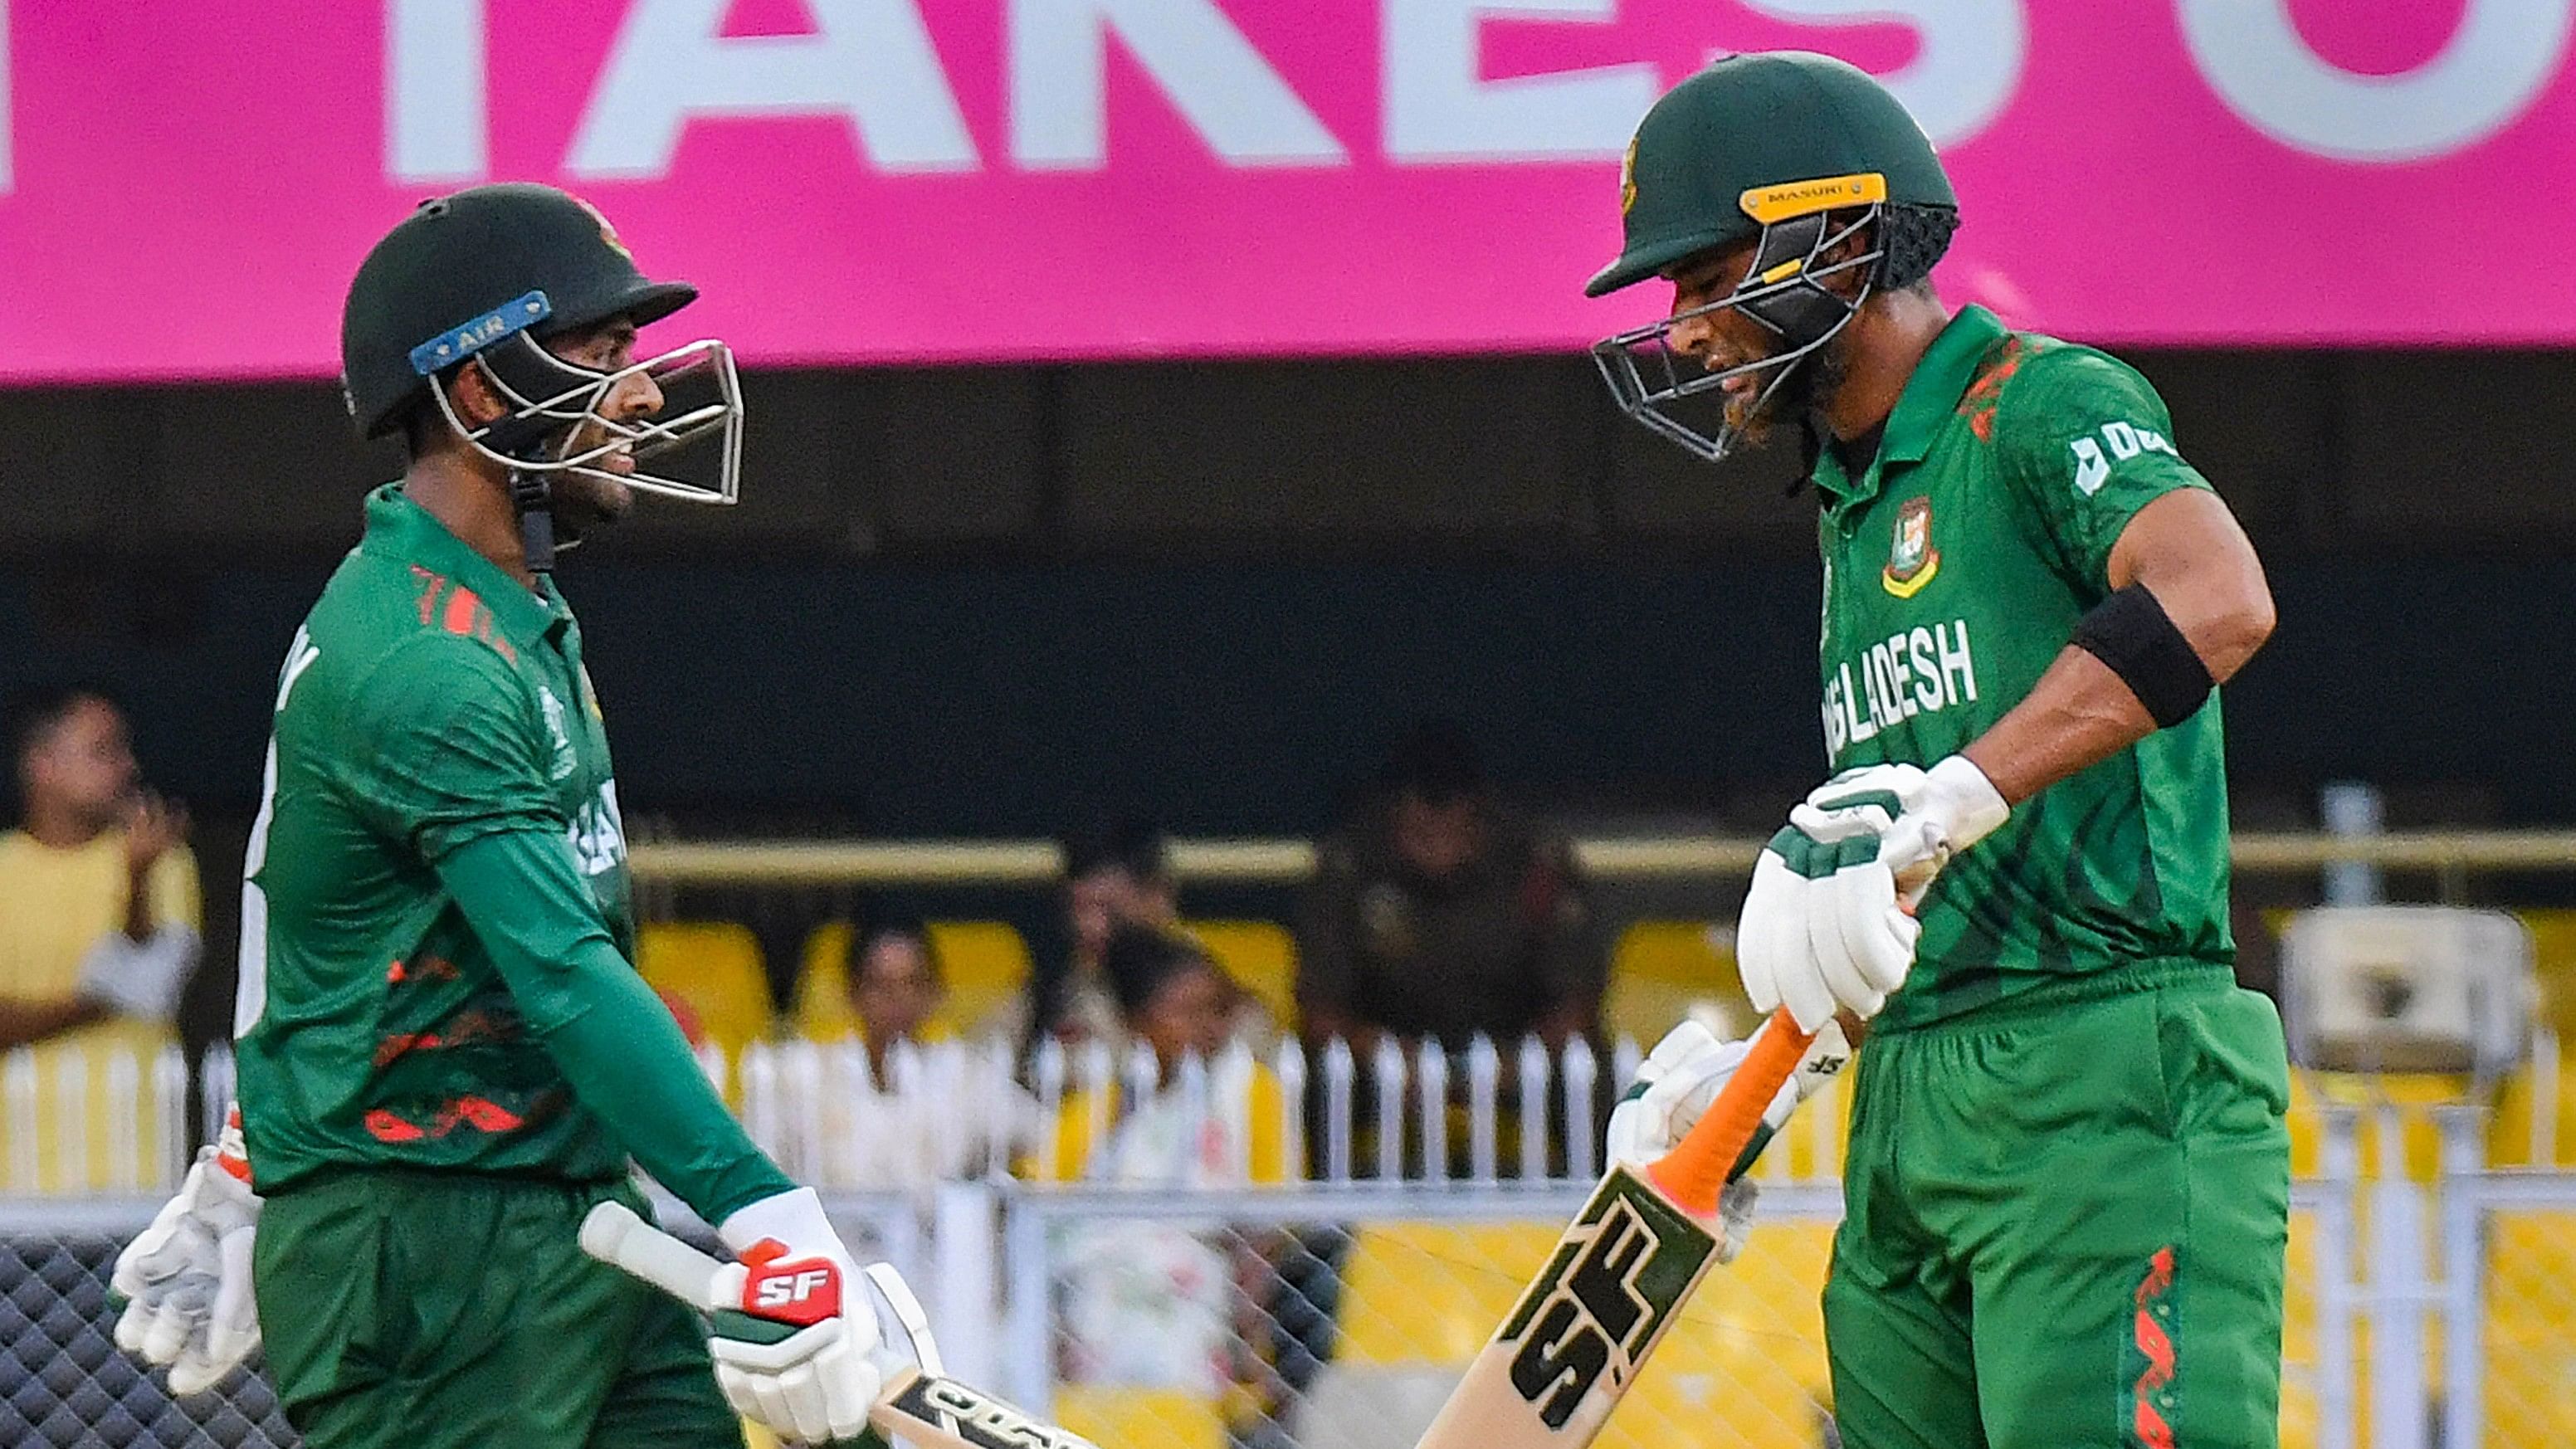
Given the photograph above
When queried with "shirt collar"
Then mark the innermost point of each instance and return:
(400, 529)
(1930, 397)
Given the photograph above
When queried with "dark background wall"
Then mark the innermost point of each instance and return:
(995, 600)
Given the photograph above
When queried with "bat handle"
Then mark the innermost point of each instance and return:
(614, 1234)
(1694, 1173)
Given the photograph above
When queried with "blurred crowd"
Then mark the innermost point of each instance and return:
(1435, 915)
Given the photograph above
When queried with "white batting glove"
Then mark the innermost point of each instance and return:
(186, 1278)
(1921, 818)
(1678, 1082)
(1821, 930)
(1829, 923)
(799, 1353)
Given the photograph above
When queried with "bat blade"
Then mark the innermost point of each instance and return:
(933, 1411)
(1573, 1344)
(1615, 1282)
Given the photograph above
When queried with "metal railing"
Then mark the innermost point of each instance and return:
(1338, 1301)
(1281, 861)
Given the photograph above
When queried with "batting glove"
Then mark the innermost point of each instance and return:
(798, 1355)
(1676, 1085)
(186, 1279)
(1920, 818)
(1829, 924)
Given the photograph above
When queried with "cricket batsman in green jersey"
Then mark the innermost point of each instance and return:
(2067, 1183)
(446, 1057)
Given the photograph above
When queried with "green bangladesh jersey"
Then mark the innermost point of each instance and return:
(1956, 567)
(436, 923)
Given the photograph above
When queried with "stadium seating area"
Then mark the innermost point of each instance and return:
(1417, 1298)
(1660, 970)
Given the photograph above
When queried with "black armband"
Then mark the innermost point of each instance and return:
(2131, 633)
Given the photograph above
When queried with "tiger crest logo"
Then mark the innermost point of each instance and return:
(607, 233)
(1911, 558)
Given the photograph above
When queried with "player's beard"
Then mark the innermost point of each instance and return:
(1806, 387)
(583, 504)
(583, 501)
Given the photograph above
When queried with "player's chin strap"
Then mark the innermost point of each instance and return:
(533, 494)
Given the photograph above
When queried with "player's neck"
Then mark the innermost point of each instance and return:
(475, 505)
(1887, 340)
(57, 828)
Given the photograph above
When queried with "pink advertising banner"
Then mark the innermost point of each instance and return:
(185, 187)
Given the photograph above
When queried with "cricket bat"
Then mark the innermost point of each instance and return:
(919, 1406)
(1615, 1282)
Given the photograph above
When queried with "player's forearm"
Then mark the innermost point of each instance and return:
(138, 906)
(2078, 715)
(23, 1023)
(608, 1033)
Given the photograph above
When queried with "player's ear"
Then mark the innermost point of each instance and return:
(477, 403)
(1851, 241)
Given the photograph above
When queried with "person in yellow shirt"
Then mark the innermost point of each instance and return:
(1161, 1306)
(99, 906)
(1177, 1003)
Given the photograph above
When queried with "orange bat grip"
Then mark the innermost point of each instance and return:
(1694, 1172)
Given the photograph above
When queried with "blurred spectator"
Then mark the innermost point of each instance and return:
(895, 989)
(919, 1109)
(1437, 913)
(1178, 1005)
(1118, 876)
(1155, 1304)
(99, 911)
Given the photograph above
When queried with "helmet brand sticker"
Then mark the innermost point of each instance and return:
(1767, 204)
(459, 343)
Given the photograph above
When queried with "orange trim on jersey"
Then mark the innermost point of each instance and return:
(461, 605)
(480, 1113)
(430, 583)
(2155, 1344)
(384, 1126)
(406, 1041)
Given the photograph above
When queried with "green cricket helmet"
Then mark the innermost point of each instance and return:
(483, 278)
(1800, 154)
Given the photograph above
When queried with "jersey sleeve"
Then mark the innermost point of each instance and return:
(2087, 443)
(448, 748)
(457, 767)
(607, 1032)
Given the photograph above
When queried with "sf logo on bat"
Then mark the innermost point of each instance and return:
(980, 1418)
(1604, 1299)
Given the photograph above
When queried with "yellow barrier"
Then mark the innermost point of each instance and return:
(1256, 862)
